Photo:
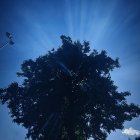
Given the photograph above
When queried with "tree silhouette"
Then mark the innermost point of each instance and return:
(137, 138)
(68, 94)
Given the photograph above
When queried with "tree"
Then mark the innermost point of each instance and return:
(137, 138)
(68, 94)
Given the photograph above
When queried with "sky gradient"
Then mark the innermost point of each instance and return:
(111, 25)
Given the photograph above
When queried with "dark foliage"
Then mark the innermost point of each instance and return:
(137, 138)
(68, 94)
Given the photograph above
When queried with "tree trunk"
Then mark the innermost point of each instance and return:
(71, 133)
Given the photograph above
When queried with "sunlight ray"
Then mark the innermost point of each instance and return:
(101, 20)
(83, 14)
(69, 18)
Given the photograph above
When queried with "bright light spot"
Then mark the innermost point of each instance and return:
(131, 131)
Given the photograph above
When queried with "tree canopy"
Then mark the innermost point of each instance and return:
(68, 94)
(137, 138)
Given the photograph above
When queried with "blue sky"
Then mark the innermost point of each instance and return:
(112, 25)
